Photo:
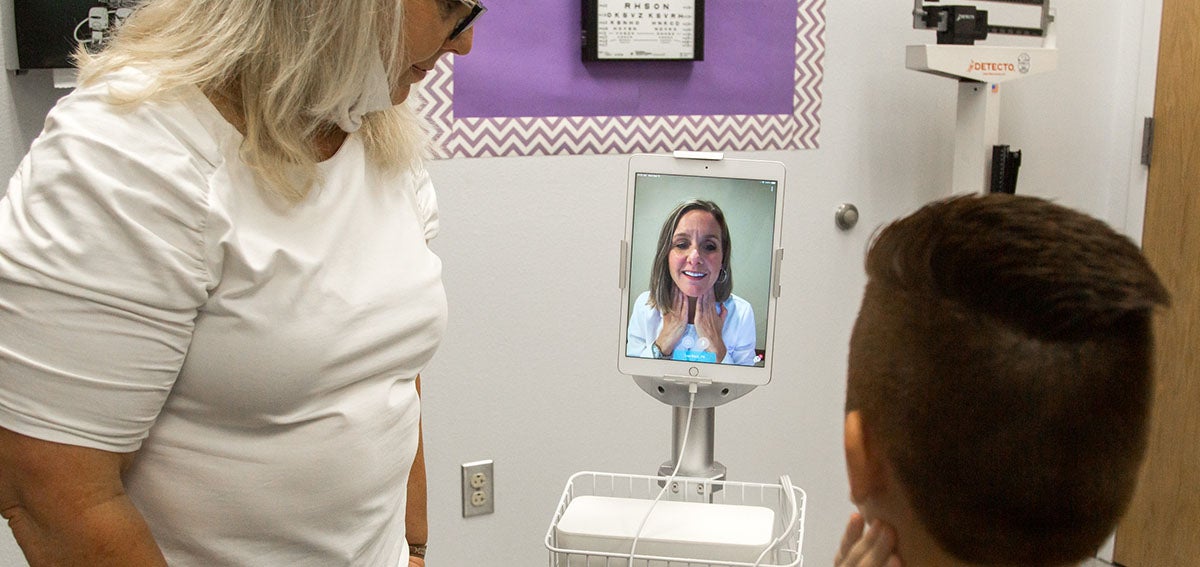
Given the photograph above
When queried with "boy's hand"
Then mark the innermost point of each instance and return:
(875, 549)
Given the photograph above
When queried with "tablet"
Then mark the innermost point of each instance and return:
(700, 263)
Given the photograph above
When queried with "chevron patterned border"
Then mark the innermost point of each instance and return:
(526, 136)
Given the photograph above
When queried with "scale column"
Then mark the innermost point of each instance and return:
(976, 132)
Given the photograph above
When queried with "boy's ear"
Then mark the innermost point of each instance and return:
(863, 465)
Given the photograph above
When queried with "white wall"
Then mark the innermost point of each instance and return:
(24, 101)
(527, 374)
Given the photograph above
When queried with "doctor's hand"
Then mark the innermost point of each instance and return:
(674, 324)
(710, 321)
(876, 549)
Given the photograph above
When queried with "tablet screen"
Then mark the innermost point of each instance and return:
(701, 268)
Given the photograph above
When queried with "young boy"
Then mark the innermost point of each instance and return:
(999, 385)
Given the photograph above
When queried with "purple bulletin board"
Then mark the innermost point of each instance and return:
(524, 89)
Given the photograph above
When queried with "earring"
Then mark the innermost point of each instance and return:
(722, 276)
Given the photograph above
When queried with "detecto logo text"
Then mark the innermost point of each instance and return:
(990, 67)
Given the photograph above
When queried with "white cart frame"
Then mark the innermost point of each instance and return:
(787, 554)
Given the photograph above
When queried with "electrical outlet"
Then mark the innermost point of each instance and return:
(478, 489)
(478, 480)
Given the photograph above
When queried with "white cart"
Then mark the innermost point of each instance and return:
(700, 523)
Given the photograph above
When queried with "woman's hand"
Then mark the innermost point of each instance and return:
(415, 561)
(674, 325)
(876, 549)
(710, 321)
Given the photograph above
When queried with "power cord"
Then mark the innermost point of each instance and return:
(692, 389)
(785, 482)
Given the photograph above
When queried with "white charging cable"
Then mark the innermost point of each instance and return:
(692, 388)
(785, 483)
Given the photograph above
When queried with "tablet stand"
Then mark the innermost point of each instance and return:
(697, 456)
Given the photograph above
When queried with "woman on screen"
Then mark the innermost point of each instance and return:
(690, 312)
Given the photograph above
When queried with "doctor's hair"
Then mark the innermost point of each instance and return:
(290, 64)
(662, 287)
(1001, 363)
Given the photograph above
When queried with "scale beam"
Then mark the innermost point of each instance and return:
(979, 70)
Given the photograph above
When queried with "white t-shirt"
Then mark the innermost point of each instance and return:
(259, 356)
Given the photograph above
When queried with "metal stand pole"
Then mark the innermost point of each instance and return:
(697, 456)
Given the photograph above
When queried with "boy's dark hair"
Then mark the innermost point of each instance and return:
(1002, 362)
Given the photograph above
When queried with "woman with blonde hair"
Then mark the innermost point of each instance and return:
(217, 295)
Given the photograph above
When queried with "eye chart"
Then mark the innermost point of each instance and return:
(641, 30)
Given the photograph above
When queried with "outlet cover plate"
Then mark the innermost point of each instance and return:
(478, 489)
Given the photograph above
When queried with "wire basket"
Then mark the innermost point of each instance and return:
(787, 552)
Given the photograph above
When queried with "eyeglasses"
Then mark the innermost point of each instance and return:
(477, 9)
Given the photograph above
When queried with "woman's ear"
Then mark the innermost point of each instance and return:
(862, 461)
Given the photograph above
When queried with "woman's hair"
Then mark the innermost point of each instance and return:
(1002, 361)
(292, 62)
(662, 287)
